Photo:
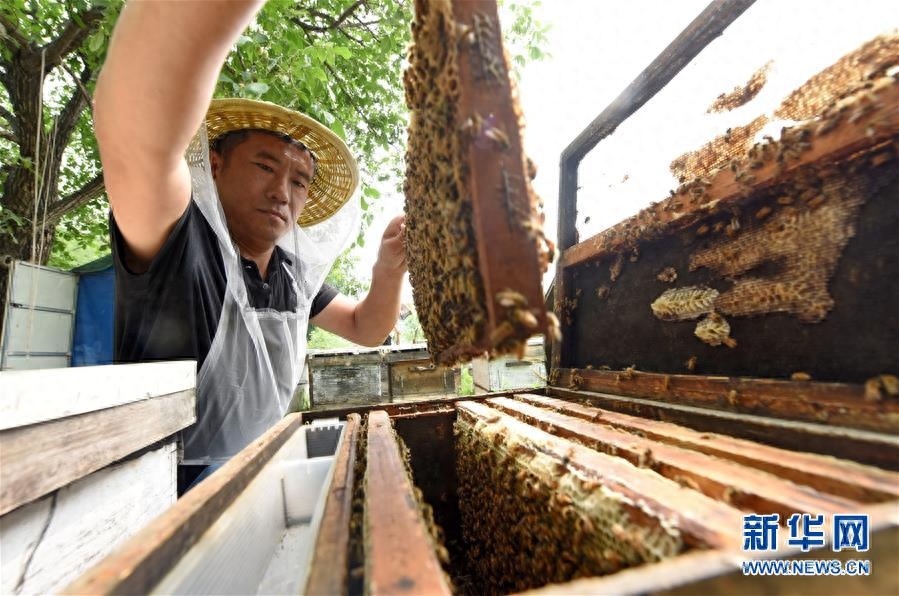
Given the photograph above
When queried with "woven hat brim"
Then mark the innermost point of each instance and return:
(336, 174)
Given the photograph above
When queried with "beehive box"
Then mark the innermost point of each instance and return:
(414, 375)
(501, 373)
(344, 376)
(674, 410)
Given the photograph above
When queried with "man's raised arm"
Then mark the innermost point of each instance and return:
(152, 94)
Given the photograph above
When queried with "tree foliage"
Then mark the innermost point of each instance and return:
(340, 61)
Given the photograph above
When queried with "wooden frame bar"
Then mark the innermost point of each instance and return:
(736, 484)
(720, 572)
(860, 446)
(143, 561)
(840, 404)
(328, 573)
(873, 129)
(399, 552)
(840, 477)
(508, 258)
(704, 521)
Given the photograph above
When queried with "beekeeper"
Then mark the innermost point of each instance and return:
(226, 216)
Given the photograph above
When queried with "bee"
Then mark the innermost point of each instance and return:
(800, 376)
(498, 136)
(827, 125)
(510, 298)
(763, 213)
(816, 202)
(785, 200)
(526, 318)
(690, 364)
(602, 291)
(555, 331)
(472, 125)
(702, 230)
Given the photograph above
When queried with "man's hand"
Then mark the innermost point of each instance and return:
(392, 253)
(368, 322)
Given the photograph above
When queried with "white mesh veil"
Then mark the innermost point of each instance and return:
(257, 355)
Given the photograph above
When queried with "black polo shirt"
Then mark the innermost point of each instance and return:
(171, 311)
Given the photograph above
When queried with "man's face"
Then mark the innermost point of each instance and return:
(263, 183)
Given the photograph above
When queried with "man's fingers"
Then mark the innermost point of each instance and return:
(395, 227)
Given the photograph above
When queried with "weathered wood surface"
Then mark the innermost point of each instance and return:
(720, 572)
(857, 445)
(329, 567)
(703, 521)
(143, 561)
(29, 397)
(419, 378)
(401, 410)
(740, 486)
(828, 474)
(835, 403)
(399, 551)
(39, 458)
(501, 201)
(838, 404)
(46, 544)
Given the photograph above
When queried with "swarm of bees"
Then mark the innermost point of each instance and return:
(442, 246)
(529, 519)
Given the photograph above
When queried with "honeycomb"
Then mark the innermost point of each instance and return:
(529, 520)
(741, 95)
(717, 152)
(850, 74)
(804, 239)
(442, 247)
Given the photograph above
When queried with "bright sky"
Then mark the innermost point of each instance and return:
(598, 47)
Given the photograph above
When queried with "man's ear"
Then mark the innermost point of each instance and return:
(215, 163)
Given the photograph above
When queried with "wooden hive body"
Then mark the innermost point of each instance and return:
(669, 415)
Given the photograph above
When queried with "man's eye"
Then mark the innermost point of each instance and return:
(299, 184)
(264, 167)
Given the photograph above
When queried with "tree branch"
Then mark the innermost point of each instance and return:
(333, 24)
(69, 115)
(9, 136)
(73, 34)
(12, 32)
(84, 92)
(91, 190)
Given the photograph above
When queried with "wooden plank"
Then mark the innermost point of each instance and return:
(29, 397)
(839, 404)
(474, 229)
(857, 445)
(740, 486)
(329, 567)
(399, 552)
(836, 476)
(703, 521)
(678, 212)
(720, 572)
(50, 542)
(73, 447)
(140, 563)
(399, 410)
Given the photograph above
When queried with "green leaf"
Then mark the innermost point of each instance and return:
(257, 88)
(95, 42)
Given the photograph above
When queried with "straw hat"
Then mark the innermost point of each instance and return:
(336, 175)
